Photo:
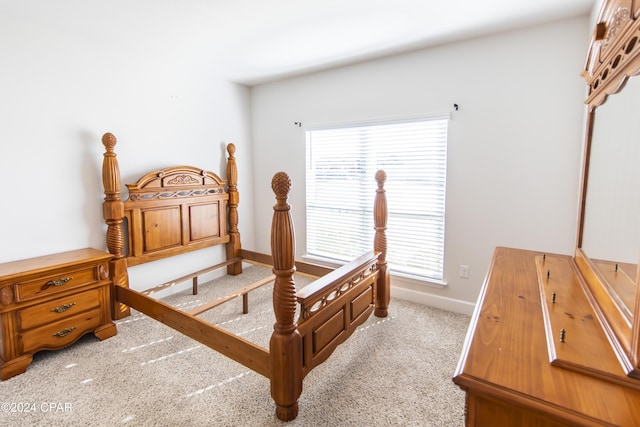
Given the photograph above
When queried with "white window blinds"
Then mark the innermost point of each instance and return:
(341, 165)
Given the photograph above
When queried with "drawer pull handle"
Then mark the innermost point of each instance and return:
(63, 307)
(58, 282)
(64, 332)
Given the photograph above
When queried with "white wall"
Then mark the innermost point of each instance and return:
(595, 12)
(513, 157)
(514, 145)
(61, 91)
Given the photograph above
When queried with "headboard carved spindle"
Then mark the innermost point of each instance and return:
(233, 247)
(113, 213)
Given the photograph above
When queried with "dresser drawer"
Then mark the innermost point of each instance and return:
(48, 285)
(61, 333)
(57, 309)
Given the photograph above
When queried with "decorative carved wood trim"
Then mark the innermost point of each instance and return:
(613, 54)
(103, 271)
(181, 177)
(6, 295)
(314, 303)
(182, 180)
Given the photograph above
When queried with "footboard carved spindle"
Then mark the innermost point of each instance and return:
(233, 247)
(113, 213)
(380, 245)
(286, 342)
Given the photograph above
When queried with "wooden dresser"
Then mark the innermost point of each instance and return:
(48, 302)
(519, 368)
(555, 340)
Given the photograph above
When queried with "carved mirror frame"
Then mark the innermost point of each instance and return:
(613, 58)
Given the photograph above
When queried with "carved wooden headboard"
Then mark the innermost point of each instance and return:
(168, 212)
(175, 210)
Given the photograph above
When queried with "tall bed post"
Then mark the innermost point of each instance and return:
(380, 245)
(233, 247)
(113, 213)
(286, 342)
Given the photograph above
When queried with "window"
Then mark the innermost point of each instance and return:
(341, 165)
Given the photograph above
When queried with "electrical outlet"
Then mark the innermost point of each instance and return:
(464, 271)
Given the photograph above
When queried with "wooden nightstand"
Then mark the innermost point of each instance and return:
(48, 302)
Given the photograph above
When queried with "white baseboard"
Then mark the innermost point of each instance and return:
(444, 303)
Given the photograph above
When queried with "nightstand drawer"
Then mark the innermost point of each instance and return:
(60, 334)
(48, 285)
(57, 309)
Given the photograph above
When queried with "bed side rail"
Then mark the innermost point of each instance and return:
(301, 266)
(242, 351)
(193, 276)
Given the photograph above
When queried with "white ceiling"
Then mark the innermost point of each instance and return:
(253, 41)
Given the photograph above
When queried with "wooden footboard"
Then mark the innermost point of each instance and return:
(333, 306)
(330, 309)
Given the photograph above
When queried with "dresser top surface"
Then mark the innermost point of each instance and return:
(47, 262)
(506, 353)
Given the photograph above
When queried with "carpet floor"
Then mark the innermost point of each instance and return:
(393, 371)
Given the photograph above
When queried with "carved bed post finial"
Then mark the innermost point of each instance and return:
(113, 213)
(380, 245)
(113, 208)
(233, 247)
(286, 342)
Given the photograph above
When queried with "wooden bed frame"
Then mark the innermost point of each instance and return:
(181, 209)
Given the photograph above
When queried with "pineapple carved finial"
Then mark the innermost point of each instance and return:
(281, 184)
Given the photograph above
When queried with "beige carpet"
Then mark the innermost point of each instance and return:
(392, 371)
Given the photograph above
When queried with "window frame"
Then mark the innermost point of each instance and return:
(442, 120)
